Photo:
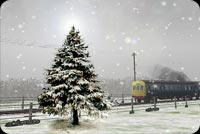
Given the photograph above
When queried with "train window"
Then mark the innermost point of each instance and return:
(141, 87)
(162, 87)
(133, 87)
(138, 87)
(149, 87)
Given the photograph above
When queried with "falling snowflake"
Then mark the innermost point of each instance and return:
(120, 48)
(163, 3)
(66, 2)
(182, 68)
(7, 76)
(107, 37)
(123, 33)
(166, 27)
(182, 18)
(127, 40)
(20, 26)
(190, 18)
(19, 56)
(128, 68)
(170, 55)
(33, 17)
(199, 28)
(34, 69)
(54, 36)
(174, 4)
(22, 31)
(93, 12)
(136, 10)
(134, 41)
(118, 64)
(24, 67)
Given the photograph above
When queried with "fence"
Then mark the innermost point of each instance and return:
(17, 103)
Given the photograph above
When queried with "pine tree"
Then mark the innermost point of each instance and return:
(72, 81)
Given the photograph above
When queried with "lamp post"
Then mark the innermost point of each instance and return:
(132, 111)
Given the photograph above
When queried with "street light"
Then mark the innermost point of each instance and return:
(134, 54)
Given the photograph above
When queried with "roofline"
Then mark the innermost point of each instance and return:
(169, 81)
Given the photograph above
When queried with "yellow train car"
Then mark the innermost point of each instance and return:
(139, 90)
(146, 90)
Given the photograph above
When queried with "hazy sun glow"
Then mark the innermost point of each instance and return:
(68, 22)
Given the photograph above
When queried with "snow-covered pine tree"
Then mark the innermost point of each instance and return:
(73, 81)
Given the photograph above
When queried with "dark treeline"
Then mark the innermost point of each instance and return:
(19, 88)
(117, 86)
(33, 87)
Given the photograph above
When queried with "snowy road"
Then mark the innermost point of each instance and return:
(167, 120)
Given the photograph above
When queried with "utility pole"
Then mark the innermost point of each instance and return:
(132, 111)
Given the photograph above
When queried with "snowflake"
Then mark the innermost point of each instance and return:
(107, 37)
(166, 27)
(134, 41)
(190, 18)
(7, 76)
(19, 56)
(136, 10)
(120, 48)
(182, 68)
(93, 12)
(118, 64)
(199, 28)
(123, 33)
(24, 67)
(66, 2)
(33, 17)
(182, 18)
(20, 26)
(174, 4)
(163, 3)
(22, 31)
(127, 40)
(34, 69)
(12, 29)
(114, 41)
(170, 55)
(54, 36)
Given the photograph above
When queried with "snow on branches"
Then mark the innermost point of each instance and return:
(72, 79)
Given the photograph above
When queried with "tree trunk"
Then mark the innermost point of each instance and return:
(75, 117)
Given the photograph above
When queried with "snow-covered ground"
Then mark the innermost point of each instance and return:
(167, 120)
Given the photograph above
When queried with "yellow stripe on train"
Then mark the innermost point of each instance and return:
(139, 88)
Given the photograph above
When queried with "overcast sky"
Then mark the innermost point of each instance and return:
(164, 32)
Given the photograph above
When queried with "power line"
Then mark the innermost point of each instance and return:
(29, 44)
